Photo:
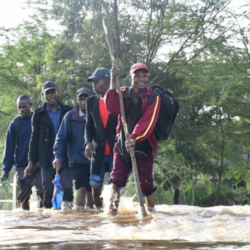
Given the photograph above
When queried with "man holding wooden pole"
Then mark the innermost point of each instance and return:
(141, 118)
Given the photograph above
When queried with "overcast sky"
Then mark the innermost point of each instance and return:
(12, 14)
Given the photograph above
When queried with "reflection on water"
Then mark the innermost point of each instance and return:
(170, 227)
(129, 245)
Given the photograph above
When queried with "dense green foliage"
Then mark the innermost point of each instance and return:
(199, 50)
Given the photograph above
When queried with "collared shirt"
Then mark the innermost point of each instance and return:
(55, 119)
(81, 114)
(133, 114)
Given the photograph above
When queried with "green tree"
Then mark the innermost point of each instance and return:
(21, 66)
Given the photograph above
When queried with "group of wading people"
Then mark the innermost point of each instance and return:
(84, 143)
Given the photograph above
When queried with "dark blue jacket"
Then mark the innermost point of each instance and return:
(18, 159)
(70, 136)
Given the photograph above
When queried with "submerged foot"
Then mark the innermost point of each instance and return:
(67, 205)
(113, 212)
(151, 209)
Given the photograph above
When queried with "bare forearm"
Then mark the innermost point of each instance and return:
(31, 162)
(112, 82)
(114, 74)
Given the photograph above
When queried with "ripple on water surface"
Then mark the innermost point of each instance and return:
(169, 226)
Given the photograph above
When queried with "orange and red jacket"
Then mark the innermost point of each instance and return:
(144, 129)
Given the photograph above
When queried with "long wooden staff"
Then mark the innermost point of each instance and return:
(125, 127)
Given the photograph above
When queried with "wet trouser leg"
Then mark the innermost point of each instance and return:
(19, 176)
(66, 181)
(26, 205)
(48, 175)
(39, 187)
(96, 181)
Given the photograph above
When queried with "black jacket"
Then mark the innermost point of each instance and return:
(42, 136)
(95, 133)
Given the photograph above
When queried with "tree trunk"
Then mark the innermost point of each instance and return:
(220, 174)
(176, 196)
(117, 31)
(218, 190)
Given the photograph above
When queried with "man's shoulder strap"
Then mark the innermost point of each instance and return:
(152, 97)
(16, 122)
(70, 115)
(126, 93)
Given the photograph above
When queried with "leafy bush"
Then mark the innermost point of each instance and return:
(204, 196)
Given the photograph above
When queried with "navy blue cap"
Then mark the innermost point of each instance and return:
(99, 74)
(83, 91)
(48, 85)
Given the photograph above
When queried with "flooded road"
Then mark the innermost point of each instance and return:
(169, 227)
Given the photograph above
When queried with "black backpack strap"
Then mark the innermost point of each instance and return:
(126, 98)
(70, 118)
(152, 97)
(158, 90)
(16, 123)
(126, 94)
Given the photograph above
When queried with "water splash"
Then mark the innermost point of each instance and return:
(126, 204)
(173, 223)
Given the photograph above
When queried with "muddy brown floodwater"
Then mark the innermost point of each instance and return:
(169, 227)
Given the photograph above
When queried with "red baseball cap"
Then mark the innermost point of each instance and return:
(137, 66)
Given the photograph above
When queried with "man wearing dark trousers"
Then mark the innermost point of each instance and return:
(70, 137)
(17, 146)
(45, 123)
(100, 133)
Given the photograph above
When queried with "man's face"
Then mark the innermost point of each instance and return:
(50, 96)
(81, 100)
(139, 79)
(100, 87)
(23, 107)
